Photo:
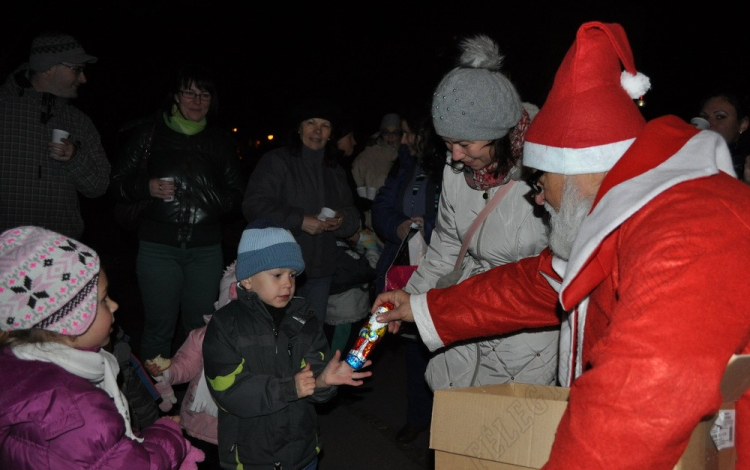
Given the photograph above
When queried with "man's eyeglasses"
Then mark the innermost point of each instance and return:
(191, 95)
(534, 181)
(76, 70)
(392, 133)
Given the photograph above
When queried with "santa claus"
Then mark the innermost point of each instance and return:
(646, 271)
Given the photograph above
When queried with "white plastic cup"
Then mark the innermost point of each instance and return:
(58, 135)
(171, 180)
(700, 123)
(362, 191)
(326, 213)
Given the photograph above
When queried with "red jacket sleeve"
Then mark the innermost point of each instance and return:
(504, 299)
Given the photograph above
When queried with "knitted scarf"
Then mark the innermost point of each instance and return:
(485, 178)
(100, 368)
(184, 126)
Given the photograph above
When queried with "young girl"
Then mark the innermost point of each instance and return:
(60, 406)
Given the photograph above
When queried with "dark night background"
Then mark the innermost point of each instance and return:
(371, 57)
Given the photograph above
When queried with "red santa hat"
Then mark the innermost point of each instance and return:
(589, 118)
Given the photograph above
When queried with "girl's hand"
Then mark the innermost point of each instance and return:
(175, 418)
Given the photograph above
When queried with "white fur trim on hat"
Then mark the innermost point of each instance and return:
(568, 161)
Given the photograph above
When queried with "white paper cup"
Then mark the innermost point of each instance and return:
(171, 180)
(58, 135)
(326, 213)
(371, 192)
(362, 191)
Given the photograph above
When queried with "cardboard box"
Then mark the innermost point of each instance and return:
(512, 426)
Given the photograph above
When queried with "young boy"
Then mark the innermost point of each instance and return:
(267, 360)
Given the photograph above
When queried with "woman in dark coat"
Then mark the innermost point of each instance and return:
(291, 184)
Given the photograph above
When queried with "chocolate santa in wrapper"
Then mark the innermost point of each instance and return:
(369, 336)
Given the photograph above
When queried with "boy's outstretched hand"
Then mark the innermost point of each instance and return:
(338, 372)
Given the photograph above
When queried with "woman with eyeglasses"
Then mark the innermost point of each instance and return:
(187, 167)
(482, 120)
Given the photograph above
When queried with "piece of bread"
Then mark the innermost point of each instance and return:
(161, 362)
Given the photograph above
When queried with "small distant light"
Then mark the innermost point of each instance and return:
(234, 129)
(641, 102)
(270, 137)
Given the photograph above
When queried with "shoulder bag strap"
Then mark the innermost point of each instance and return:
(480, 218)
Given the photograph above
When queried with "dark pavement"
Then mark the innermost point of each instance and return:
(358, 426)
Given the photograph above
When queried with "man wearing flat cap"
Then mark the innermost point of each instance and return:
(40, 180)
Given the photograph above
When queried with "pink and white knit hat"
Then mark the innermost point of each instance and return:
(47, 281)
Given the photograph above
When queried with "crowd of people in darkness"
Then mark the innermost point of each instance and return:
(569, 243)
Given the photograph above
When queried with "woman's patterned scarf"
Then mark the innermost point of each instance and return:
(484, 179)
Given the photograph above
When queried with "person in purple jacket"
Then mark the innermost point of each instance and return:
(60, 406)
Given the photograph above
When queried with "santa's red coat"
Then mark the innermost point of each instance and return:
(662, 263)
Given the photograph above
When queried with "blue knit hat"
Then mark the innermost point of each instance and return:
(262, 249)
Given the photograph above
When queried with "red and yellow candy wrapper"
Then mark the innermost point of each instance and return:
(370, 335)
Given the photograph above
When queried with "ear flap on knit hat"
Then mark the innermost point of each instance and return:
(589, 118)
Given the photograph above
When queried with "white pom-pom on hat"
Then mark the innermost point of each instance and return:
(636, 85)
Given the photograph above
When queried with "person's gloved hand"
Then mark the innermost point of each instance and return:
(192, 458)
(166, 391)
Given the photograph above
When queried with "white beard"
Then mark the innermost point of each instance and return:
(564, 224)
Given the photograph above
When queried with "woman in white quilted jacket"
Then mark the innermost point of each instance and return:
(482, 120)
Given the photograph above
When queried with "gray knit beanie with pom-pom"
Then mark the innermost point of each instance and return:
(475, 101)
